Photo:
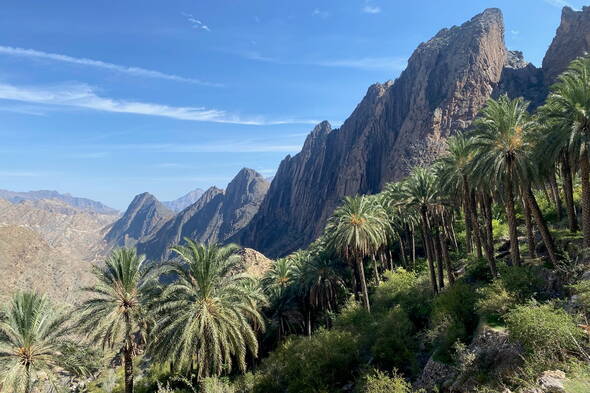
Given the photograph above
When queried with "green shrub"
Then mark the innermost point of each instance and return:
(582, 292)
(525, 282)
(407, 289)
(395, 345)
(380, 382)
(453, 318)
(499, 229)
(215, 385)
(494, 301)
(323, 362)
(542, 329)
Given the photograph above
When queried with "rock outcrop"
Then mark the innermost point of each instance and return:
(396, 126)
(572, 40)
(401, 124)
(184, 201)
(214, 218)
(143, 217)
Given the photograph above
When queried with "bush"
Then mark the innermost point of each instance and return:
(408, 290)
(453, 318)
(380, 382)
(543, 330)
(395, 345)
(525, 282)
(323, 362)
(582, 292)
(215, 385)
(494, 301)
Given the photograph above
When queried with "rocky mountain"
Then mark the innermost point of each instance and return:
(80, 203)
(404, 123)
(184, 201)
(50, 246)
(215, 217)
(144, 216)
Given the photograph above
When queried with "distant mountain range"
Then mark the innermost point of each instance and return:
(81, 203)
(214, 217)
(184, 201)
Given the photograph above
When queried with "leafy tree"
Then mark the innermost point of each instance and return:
(568, 113)
(356, 230)
(32, 333)
(115, 314)
(208, 316)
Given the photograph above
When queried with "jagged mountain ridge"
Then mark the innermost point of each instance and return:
(184, 201)
(214, 218)
(77, 202)
(404, 123)
(144, 216)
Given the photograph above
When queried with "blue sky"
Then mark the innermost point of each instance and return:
(107, 99)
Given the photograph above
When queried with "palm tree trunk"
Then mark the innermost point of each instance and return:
(585, 178)
(365, 292)
(475, 224)
(487, 232)
(542, 225)
(555, 193)
(403, 251)
(510, 215)
(128, 356)
(529, 228)
(427, 245)
(467, 215)
(413, 249)
(444, 246)
(27, 378)
(439, 259)
(568, 191)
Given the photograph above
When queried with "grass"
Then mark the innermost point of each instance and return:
(577, 385)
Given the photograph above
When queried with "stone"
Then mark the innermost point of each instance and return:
(552, 381)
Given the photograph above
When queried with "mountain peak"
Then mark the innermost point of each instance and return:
(185, 200)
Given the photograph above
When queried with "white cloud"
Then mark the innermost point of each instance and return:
(135, 71)
(195, 23)
(236, 146)
(371, 9)
(320, 13)
(559, 3)
(83, 96)
(21, 174)
(514, 32)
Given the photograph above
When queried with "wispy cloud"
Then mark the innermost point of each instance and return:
(559, 3)
(364, 63)
(21, 174)
(134, 71)
(320, 13)
(84, 96)
(195, 23)
(514, 32)
(371, 9)
(235, 146)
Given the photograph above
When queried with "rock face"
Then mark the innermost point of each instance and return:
(144, 216)
(184, 201)
(572, 40)
(214, 218)
(401, 124)
(396, 126)
(79, 203)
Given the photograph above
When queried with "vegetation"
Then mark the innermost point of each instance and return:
(464, 264)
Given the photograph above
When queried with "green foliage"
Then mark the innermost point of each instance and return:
(582, 291)
(499, 229)
(494, 301)
(525, 282)
(543, 329)
(32, 332)
(380, 382)
(323, 362)
(453, 318)
(395, 344)
(216, 385)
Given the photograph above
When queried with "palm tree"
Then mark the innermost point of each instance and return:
(356, 230)
(208, 316)
(504, 147)
(115, 313)
(32, 333)
(421, 192)
(568, 113)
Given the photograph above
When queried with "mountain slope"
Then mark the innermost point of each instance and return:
(184, 201)
(80, 203)
(214, 218)
(144, 216)
(404, 123)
